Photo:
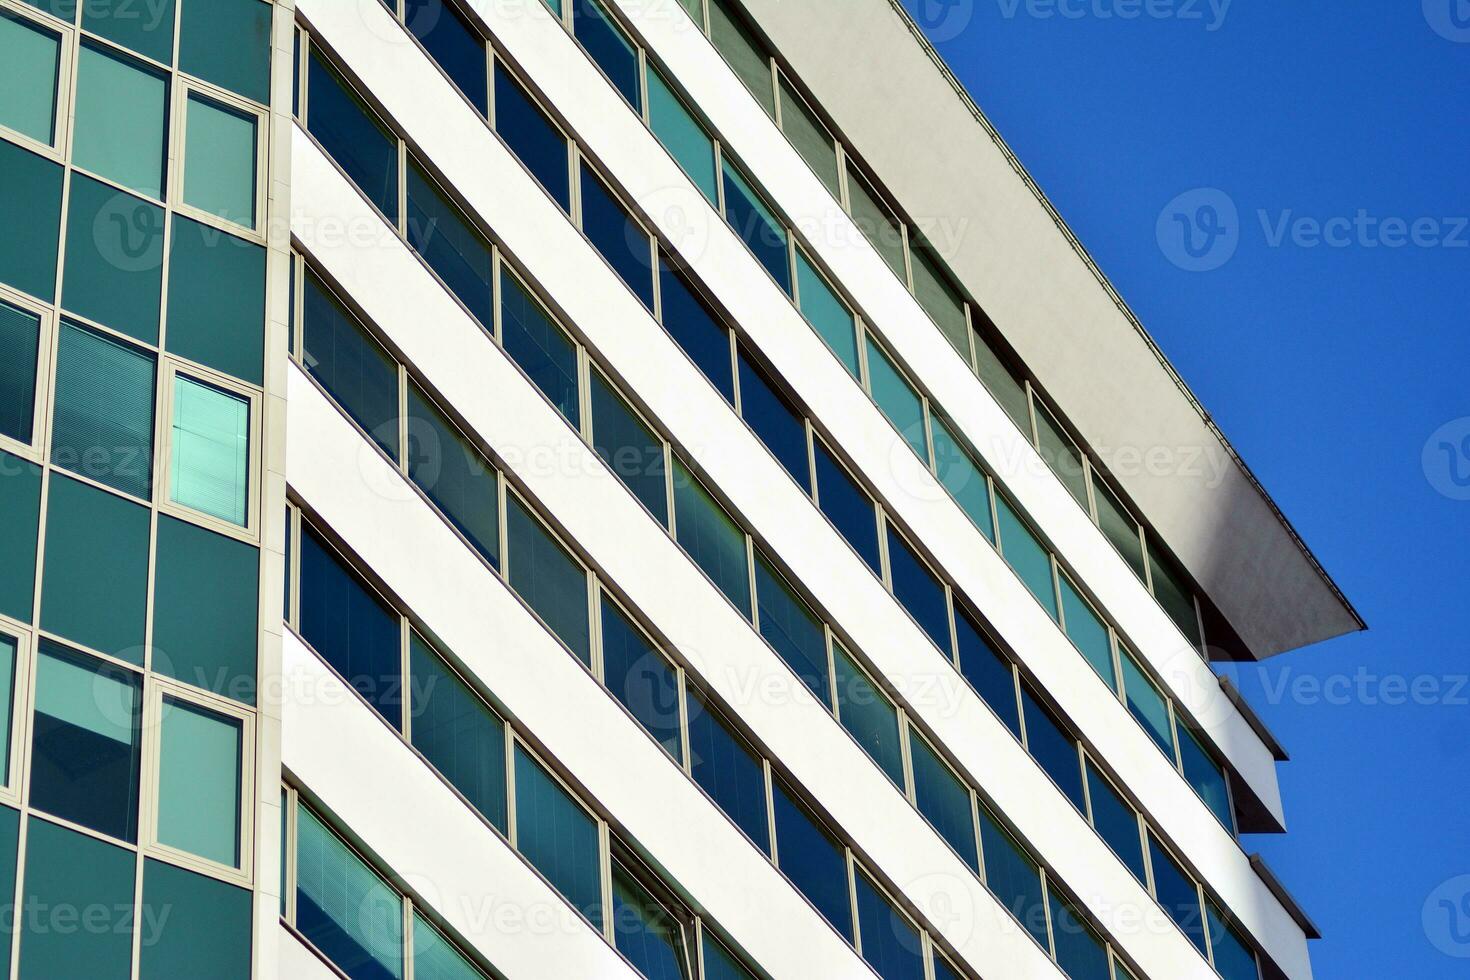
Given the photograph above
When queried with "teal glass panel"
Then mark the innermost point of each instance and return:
(114, 259)
(944, 800)
(1079, 951)
(352, 916)
(456, 731)
(790, 626)
(435, 959)
(720, 963)
(1233, 957)
(30, 198)
(682, 135)
(209, 465)
(644, 930)
(964, 480)
(29, 59)
(827, 314)
(193, 926)
(877, 223)
(199, 782)
(629, 448)
(891, 944)
(753, 221)
(205, 265)
(454, 475)
(1119, 526)
(1062, 455)
(9, 651)
(9, 859)
(20, 522)
(1026, 556)
(809, 136)
(1116, 822)
(711, 538)
(745, 54)
(641, 678)
(1174, 595)
(551, 581)
(103, 426)
(939, 298)
(1003, 383)
(1147, 704)
(96, 586)
(558, 837)
(20, 339)
(146, 27)
(1205, 775)
(227, 42)
(69, 870)
(121, 108)
(1088, 632)
(868, 715)
(1013, 877)
(205, 626)
(897, 400)
(219, 159)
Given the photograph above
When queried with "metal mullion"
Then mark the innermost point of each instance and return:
(775, 852)
(850, 862)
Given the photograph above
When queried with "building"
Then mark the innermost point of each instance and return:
(641, 488)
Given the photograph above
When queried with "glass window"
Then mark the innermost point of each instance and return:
(960, 476)
(67, 870)
(645, 931)
(228, 42)
(454, 475)
(1115, 821)
(454, 45)
(789, 625)
(897, 400)
(1120, 528)
(1088, 632)
(1013, 877)
(209, 459)
(813, 859)
(452, 247)
(28, 77)
(1079, 951)
(620, 239)
(847, 507)
(435, 959)
(745, 54)
(696, 330)
(629, 448)
(205, 627)
(609, 47)
(349, 131)
(809, 136)
(1233, 957)
(1062, 455)
(876, 223)
(891, 944)
(532, 136)
(551, 581)
(352, 916)
(1177, 893)
(456, 731)
(1147, 704)
(9, 650)
(827, 314)
(757, 226)
(779, 426)
(727, 769)
(86, 742)
(1205, 775)
(203, 265)
(96, 586)
(1026, 555)
(148, 30)
(918, 590)
(199, 782)
(641, 678)
(720, 963)
(114, 258)
(943, 800)
(1003, 383)
(868, 715)
(120, 113)
(711, 538)
(535, 342)
(939, 298)
(219, 160)
(1174, 595)
(558, 837)
(201, 925)
(30, 198)
(991, 674)
(352, 629)
(943, 970)
(682, 135)
(1051, 746)
(20, 524)
(20, 338)
(354, 368)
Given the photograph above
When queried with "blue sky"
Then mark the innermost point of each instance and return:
(1326, 325)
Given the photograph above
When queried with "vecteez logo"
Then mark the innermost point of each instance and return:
(1450, 19)
(942, 20)
(1199, 231)
(1446, 459)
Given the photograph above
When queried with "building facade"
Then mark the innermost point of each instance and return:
(599, 488)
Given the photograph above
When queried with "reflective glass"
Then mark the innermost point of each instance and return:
(1079, 951)
(645, 931)
(30, 198)
(629, 448)
(539, 346)
(9, 650)
(558, 837)
(1116, 822)
(620, 239)
(209, 465)
(757, 226)
(789, 625)
(847, 507)
(939, 298)
(352, 916)
(147, 28)
(876, 223)
(695, 329)
(897, 400)
(943, 800)
(711, 538)
(1233, 957)
(228, 42)
(1205, 774)
(1026, 556)
(350, 132)
(891, 944)
(20, 525)
(532, 137)
(720, 963)
(1120, 528)
(453, 474)
(682, 135)
(67, 871)
(963, 479)
(1088, 632)
(456, 731)
(203, 265)
(868, 715)
(435, 959)
(120, 111)
(1177, 893)
(918, 590)
(20, 338)
(729, 771)
(826, 312)
(29, 60)
(609, 47)
(452, 247)
(202, 925)
(1013, 877)
(991, 674)
(219, 160)
(744, 53)
(454, 46)
(1051, 746)
(813, 859)
(1062, 455)
(809, 136)
(551, 581)
(775, 422)
(641, 678)
(1174, 595)
(354, 368)
(114, 258)
(1147, 704)
(199, 782)
(1003, 383)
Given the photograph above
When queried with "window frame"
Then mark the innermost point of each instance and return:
(579, 159)
(38, 448)
(594, 651)
(21, 706)
(178, 124)
(589, 434)
(681, 678)
(497, 59)
(59, 149)
(169, 371)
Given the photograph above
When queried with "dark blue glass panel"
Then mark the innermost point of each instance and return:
(1013, 877)
(721, 964)
(778, 425)
(1177, 893)
(609, 47)
(728, 771)
(848, 507)
(532, 137)
(711, 538)
(539, 346)
(918, 590)
(789, 625)
(350, 627)
(352, 366)
(644, 931)
(1116, 822)
(640, 678)
(548, 578)
(453, 475)
(1233, 958)
(987, 671)
(453, 45)
(695, 329)
(813, 860)
(1205, 775)
(943, 800)
(346, 128)
(456, 731)
(757, 227)
(615, 234)
(558, 837)
(1079, 951)
(891, 944)
(452, 248)
(1052, 747)
(629, 448)
(868, 715)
